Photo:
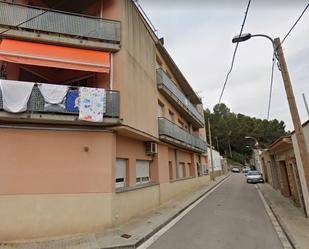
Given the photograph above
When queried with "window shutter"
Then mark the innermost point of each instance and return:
(142, 168)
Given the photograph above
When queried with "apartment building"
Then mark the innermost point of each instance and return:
(97, 122)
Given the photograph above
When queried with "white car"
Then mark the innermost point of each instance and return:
(254, 177)
(235, 170)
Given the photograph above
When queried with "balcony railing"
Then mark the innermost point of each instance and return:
(172, 133)
(165, 83)
(58, 22)
(36, 107)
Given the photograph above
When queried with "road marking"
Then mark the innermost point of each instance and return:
(283, 239)
(173, 222)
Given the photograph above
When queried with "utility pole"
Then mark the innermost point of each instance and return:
(212, 176)
(306, 105)
(303, 151)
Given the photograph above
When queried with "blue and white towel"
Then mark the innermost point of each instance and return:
(72, 101)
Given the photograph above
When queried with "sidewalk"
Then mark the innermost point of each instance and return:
(292, 220)
(128, 235)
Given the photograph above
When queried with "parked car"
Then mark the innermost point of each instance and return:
(235, 170)
(245, 170)
(255, 177)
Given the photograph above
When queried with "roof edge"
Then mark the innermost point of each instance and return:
(178, 74)
(304, 124)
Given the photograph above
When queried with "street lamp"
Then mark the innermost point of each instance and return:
(256, 141)
(247, 36)
(278, 52)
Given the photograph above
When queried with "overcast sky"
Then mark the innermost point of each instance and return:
(198, 36)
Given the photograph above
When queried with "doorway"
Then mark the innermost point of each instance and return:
(283, 179)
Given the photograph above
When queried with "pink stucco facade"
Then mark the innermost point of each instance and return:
(56, 162)
(59, 174)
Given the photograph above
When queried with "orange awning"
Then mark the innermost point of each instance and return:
(38, 54)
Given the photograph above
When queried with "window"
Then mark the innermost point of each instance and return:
(160, 109)
(181, 124)
(170, 168)
(181, 170)
(142, 171)
(188, 167)
(171, 116)
(121, 165)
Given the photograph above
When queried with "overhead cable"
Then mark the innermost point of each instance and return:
(271, 84)
(235, 50)
(288, 33)
(273, 62)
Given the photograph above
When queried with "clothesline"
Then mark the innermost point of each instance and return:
(69, 87)
(89, 102)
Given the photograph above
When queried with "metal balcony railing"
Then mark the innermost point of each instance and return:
(58, 22)
(163, 79)
(173, 131)
(36, 103)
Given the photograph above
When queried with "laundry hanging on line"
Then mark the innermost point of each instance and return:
(54, 96)
(72, 101)
(92, 103)
(15, 95)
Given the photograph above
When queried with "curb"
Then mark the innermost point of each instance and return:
(155, 230)
(280, 221)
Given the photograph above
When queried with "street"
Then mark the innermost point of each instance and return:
(233, 216)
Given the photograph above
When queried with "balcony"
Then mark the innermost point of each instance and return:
(58, 27)
(172, 133)
(167, 87)
(38, 113)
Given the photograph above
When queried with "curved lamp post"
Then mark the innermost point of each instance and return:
(278, 51)
(256, 141)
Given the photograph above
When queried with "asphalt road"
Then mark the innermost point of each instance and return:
(233, 216)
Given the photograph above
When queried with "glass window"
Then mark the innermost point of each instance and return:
(121, 165)
(188, 166)
(142, 171)
(171, 116)
(170, 168)
(181, 170)
(160, 109)
(181, 124)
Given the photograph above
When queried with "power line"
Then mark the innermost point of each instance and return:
(271, 84)
(274, 56)
(295, 23)
(234, 54)
(30, 19)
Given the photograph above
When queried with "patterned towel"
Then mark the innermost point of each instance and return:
(92, 104)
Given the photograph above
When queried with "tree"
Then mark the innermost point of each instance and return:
(231, 127)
